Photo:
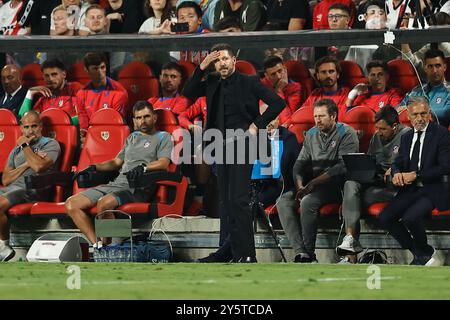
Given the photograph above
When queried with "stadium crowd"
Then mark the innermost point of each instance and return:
(323, 85)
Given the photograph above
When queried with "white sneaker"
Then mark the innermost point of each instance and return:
(436, 260)
(98, 245)
(344, 260)
(349, 245)
(6, 253)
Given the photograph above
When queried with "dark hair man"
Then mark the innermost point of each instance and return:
(145, 150)
(57, 93)
(384, 146)
(376, 95)
(237, 107)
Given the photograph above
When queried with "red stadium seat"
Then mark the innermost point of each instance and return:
(299, 73)
(78, 73)
(351, 74)
(245, 67)
(403, 117)
(32, 75)
(137, 78)
(300, 122)
(104, 139)
(362, 119)
(402, 75)
(9, 133)
(57, 124)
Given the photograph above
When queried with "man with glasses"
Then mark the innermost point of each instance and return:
(338, 19)
(321, 10)
(422, 160)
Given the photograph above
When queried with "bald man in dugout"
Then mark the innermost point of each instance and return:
(32, 155)
(14, 93)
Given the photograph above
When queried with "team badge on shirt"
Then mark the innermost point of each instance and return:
(319, 17)
(60, 103)
(147, 144)
(2, 136)
(438, 100)
(333, 144)
(105, 135)
(381, 104)
(395, 149)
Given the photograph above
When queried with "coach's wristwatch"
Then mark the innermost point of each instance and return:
(25, 144)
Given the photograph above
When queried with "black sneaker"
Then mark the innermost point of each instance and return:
(247, 260)
(303, 258)
(213, 257)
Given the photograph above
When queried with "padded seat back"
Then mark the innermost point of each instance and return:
(362, 119)
(351, 74)
(57, 124)
(300, 122)
(104, 139)
(32, 75)
(77, 73)
(9, 133)
(137, 78)
(245, 67)
(402, 75)
(299, 73)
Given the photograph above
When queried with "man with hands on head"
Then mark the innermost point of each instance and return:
(145, 150)
(232, 101)
(33, 154)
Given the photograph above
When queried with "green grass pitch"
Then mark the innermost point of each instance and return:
(21, 280)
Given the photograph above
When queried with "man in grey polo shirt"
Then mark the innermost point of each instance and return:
(320, 162)
(384, 146)
(33, 154)
(145, 150)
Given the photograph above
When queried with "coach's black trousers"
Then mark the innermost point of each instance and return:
(404, 218)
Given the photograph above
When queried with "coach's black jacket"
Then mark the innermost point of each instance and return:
(435, 162)
(248, 90)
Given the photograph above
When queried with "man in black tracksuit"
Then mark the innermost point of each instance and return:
(233, 103)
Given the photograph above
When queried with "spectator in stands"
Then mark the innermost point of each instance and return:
(276, 79)
(327, 73)
(384, 146)
(397, 13)
(33, 154)
(191, 13)
(292, 14)
(207, 9)
(375, 15)
(320, 13)
(124, 16)
(57, 93)
(60, 22)
(338, 19)
(251, 13)
(130, 160)
(436, 90)
(442, 19)
(170, 88)
(102, 92)
(13, 17)
(157, 11)
(424, 157)
(81, 27)
(96, 20)
(376, 95)
(322, 151)
(14, 93)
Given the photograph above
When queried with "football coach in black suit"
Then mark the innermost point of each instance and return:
(423, 158)
(232, 101)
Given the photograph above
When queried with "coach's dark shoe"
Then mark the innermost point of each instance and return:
(420, 260)
(247, 260)
(213, 257)
(305, 258)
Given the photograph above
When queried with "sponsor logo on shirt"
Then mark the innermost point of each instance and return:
(147, 144)
(438, 100)
(319, 17)
(381, 104)
(60, 103)
(105, 106)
